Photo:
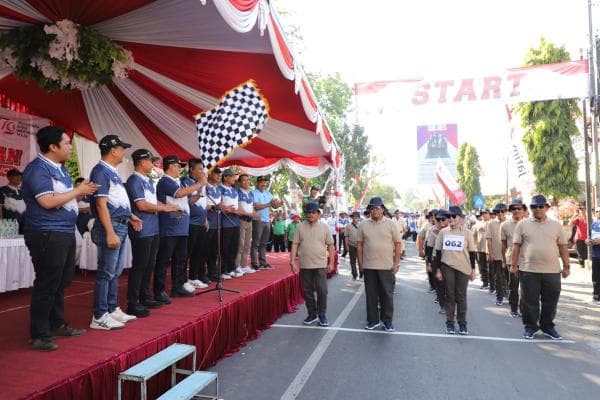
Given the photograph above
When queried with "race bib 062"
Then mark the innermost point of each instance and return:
(453, 243)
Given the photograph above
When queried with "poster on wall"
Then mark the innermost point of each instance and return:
(436, 142)
(17, 140)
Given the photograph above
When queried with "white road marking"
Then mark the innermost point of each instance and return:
(309, 366)
(434, 335)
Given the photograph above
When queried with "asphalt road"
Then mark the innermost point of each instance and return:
(419, 361)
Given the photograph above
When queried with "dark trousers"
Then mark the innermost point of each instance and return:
(144, 251)
(171, 249)
(499, 278)
(582, 251)
(260, 236)
(342, 244)
(53, 258)
(279, 243)
(483, 267)
(440, 289)
(314, 285)
(428, 262)
(513, 288)
(456, 294)
(539, 288)
(379, 288)
(197, 252)
(596, 277)
(230, 240)
(211, 262)
(353, 267)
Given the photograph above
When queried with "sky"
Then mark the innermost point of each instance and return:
(390, 40)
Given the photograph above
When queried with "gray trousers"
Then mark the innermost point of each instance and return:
(314, 281)
(379, 288)
(244, 245)
(260, 237)
(456, 294)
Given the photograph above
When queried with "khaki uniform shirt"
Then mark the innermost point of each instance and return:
(431, 236)
(507, 230)
(455, 246)
(479, 236)
(539, 244)
(351, 233)
(378, 239)
(424, 231)
(312, 240)
(493, 232)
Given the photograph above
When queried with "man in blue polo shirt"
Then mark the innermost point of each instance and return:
(12, 205)
(174, 231)
(50, 235)
(144, 244)
(112, 212)
(198, 238)
(213, 200)
(230, 231)
(263, 201)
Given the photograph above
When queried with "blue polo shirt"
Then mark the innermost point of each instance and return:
(229, 196)
(112, 188)
(595, 235)
(170, 223)
(197, 209)
(140, 188)
(262, 198)
(246, 200)
(42, 177)
(213, 192)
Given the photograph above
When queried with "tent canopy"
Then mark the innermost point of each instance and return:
(187, 53)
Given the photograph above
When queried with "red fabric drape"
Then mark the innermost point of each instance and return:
(85, 12)
(244, 5)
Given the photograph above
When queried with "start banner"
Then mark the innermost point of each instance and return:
(17, 140)
(564, 80)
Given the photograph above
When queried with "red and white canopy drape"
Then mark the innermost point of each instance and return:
(187, 54)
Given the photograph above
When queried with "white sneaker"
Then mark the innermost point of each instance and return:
(237, 274)
(188, 287)
(198, 284)
(248, 270)
(225, 276)
(231, 274)
(119, 316)
(106, 323)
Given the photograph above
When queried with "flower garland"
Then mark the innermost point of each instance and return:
(64, 56)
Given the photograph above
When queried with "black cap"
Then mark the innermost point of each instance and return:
(110, 141)
(168, 160)
(143, 154)
(263, 178)
(216, 170)
(356, 214)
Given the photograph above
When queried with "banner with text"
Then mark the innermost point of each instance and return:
(435, 142)
(17, 140)
(562, 80)
(521, 169)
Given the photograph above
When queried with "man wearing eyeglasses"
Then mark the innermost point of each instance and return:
(494, 246)
(507, 230)
(542, 241)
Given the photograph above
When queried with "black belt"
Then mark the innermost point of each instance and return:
(245, 218)
(122, 221)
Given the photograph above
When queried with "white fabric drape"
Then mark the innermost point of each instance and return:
(241, 21)
(286, 71)
(180, 23)
(6, 23)
(5, 70)
(23, 7)
(302, 170)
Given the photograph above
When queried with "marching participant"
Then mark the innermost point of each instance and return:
(441, 221)
(351, 238)
(421, 245)
(455, 255)
(494, 246)
(507, 230)
(485, 270)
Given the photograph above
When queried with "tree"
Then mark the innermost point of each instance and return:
(548, 127)
(467, 169)
(388, 194)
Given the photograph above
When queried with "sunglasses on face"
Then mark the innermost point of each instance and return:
(534, 207)
(452, 216)
(516, 209)
(500, 212)
(440, 219)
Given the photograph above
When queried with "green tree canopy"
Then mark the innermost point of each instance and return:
(467, 169)
(548, 127)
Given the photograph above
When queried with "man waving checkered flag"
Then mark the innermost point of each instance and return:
(240, 115)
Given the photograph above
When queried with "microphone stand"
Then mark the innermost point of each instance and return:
(219, 285)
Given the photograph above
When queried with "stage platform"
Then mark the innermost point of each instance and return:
(86, 367)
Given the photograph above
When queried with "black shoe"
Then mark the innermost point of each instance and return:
(204, 280)
(181, 293)
(138, 310)
(266, 266)
(255, 267)
(66, 330)
(162, 298)
(151, 303)
(43, 344)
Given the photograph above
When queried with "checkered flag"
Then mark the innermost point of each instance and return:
(240, 115)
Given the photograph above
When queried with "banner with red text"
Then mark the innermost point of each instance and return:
(564, 80)
(17, 140)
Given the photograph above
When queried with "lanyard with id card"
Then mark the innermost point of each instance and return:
(453, 243)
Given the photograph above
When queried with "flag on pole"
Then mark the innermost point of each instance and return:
(240, 115)
(448, 183)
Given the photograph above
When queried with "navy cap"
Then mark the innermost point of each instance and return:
(499, 207)
(312, 207)
(375, 202)
(539, 200)
(455, 210)
(110, 141)
(515, 203)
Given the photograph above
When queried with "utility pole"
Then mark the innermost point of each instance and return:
(594, 106)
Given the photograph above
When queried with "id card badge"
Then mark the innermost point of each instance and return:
(453, 243)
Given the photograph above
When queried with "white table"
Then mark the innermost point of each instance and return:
(88, 258)
(16, 268)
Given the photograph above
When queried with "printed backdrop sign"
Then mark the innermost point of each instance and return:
(17, 140)
(435, 142)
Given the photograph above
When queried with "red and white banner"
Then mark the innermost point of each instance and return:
(17, 140)
(562, 80)
(449, 184)
(521, 167)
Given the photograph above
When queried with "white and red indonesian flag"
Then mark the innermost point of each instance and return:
(240, 115)
(448, 183)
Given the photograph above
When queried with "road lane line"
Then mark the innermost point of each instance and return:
(309, 366)
(421, 334)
